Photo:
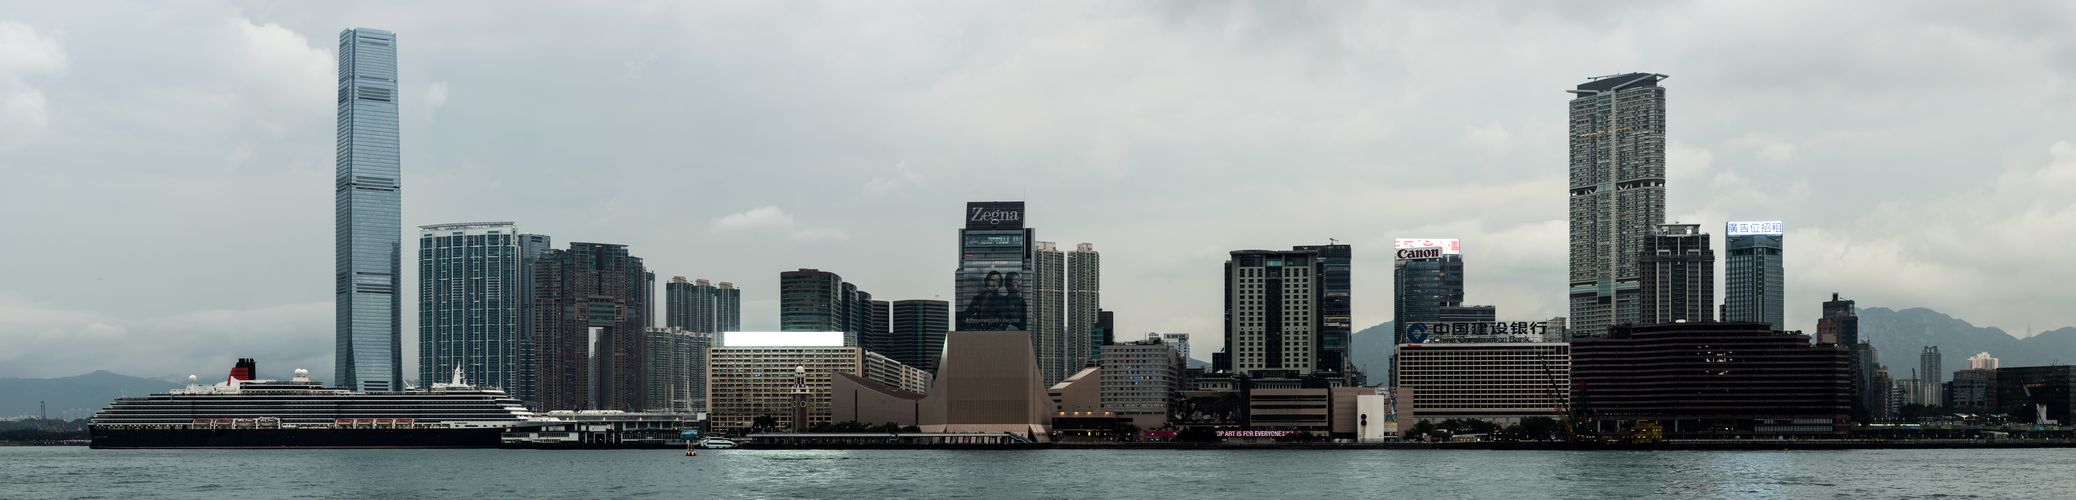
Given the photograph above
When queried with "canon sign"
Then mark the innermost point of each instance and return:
(995, 215)
(1420, 253)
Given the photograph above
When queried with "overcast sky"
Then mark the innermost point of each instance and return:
(166, 168)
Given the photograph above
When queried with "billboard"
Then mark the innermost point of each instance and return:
(1467, 332)
(995, 215)
(1425, 248)
(1753, 227)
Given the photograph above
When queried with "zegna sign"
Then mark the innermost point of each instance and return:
(995, 215)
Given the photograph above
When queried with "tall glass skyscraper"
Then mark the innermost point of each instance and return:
(1617, 194)
(470, 302)
(918, 332)
(1336, 307)
(1753, 275)
(369, 207)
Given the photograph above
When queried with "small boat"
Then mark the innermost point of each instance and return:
(716, 443)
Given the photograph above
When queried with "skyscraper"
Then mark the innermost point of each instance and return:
(368, 201)
(683, 301)
(1841, 325)
(1048, 319)
(1271, 310)
(1617, 193)
(531, 248)
(1931, 378)
(1753, 280)
(918, 332)
(1084, 306)
(1427, 276)
(469, 302)
(811, 300)
(727, 308)
(1677, 272)
(994, 256)
(1336, 311)
(589, 314)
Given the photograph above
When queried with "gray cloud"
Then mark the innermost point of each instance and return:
(170, 189)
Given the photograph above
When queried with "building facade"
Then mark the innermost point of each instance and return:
(1714, 380)
(995, 255)
(531, 248)
(1178, 340)
(1048, 319)
(919, 327)
(1084, 306)
(676, 369)
(469, 302)
(1501, 382)
(1425, 280)
(1617, 193)
(1840, 325)
(1336, 308)
(813, 300)
(590, 309)
(1972, 391)
(701, 306)
(1930, 376)
(368, 203)
(1272, 310)
(786, 376)
(1140, 380)
(2038, 395)
(1676, 273)
(1753, 275)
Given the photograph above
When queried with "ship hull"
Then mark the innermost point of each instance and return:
(296, 438)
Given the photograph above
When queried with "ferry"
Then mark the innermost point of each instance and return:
(244, 412)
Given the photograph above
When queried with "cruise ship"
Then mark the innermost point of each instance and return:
(242, 412)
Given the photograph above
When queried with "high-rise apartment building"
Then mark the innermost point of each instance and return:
(675, 370)
(995, 255)
(1982, 361)
(727, 308)
(918, 327)
(1753, 282)
(470, 308)
(1336, 307)
(1084, 307)
(1677, 271)
(368, 202)
(531, 248)
(1617, 194)
(590, 309)
(1272, 310)
(1931, 377)
(1048, 319)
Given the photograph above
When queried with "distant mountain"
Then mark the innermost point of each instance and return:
(1370, 349)
(1899, 336)
(72, 397)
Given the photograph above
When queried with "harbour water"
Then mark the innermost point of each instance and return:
(78, 472)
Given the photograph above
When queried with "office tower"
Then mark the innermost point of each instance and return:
(1617, 193)
(811, 300)
(1336, 310)
(675, 370)
(469, 302)
(1048, 319)
(1677, 273)
(879, 324)
(589, 313)
(1271, 310)
(1105, 333)
(1982, 361)
(918, 332)
(369, 206)
(1931, 377)
(1179, 340)
(1084, 306)
(1840, 325)
(851, 311)
(531, 248)
(727, 308)
(995, 254)
(1753, 274)
(1426, 277)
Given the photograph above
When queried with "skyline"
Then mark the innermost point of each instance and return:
(1383, 156)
